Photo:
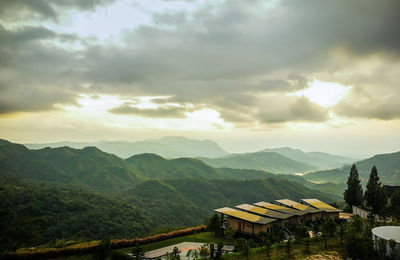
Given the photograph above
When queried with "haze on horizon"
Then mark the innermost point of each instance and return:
(319, 76)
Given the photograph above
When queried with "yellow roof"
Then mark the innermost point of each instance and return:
(244, 215)
(321, 205)
(296, 205)
(263, 211)
(276, 207)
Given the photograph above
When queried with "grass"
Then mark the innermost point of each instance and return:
(298, 251)
(203, 237)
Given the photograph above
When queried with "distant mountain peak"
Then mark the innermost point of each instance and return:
(167, 147)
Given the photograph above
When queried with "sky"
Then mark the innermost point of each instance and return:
(314, 75)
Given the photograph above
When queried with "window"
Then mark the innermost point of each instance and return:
(243, 225)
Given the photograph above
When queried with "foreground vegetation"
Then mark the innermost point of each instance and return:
(351, 239)
(35, 214)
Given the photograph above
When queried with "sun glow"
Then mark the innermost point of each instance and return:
(324, 93)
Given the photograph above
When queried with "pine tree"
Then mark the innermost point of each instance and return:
(353, 195)
(138, 253)
(375, 195)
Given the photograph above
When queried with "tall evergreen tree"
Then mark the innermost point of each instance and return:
(353, 195)
(375, 195)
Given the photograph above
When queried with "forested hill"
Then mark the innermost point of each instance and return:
(41, 213)
(318, 159)
(92, 169)
(266, 161)
(388, 166)
(66, 193)
(33, 214)
(168, 147)
(88, 168)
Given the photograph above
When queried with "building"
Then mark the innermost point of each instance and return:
(244, 222)
(388, 233)
(295, 214)
(280, 218)
(327, 210)
(252, 219)
(308, 214)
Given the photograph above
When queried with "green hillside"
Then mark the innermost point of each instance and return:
(92, 169)
(58, 198)
(51, 212)
(189, 201)
(87, 168)
(266, 161)
(317, 159)
(38, 213)
(168, 147)
(388, 166)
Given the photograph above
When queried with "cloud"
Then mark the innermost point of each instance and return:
(23, 9)
(371, 103)
(238, 58)
(159, 112)
(284, 109)
(34, 77)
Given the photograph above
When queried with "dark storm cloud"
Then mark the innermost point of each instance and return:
(27, 9)
(237, 58)
(159, 112)
(15, 98)
(34, 77)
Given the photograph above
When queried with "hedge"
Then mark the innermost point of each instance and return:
(91, 247)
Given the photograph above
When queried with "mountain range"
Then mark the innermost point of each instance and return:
(279, 160)
(317, 159)
(99, 194)
(388, 166)
(168, 147)
(88, 194)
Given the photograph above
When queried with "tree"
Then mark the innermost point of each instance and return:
(268, 248)
(381, 247)
(393, 249)
(175, 253)
(242, 247)
(138, 253)
(288, 247)
(353, 195)
(219, 250)
(307, 242)
(328, 229)
(215, 225)
(276, 233)
(212, 251)
(375, 195)
(342, 229)
(395, 205)
(301, 232)
(229, 233)
(104, 249)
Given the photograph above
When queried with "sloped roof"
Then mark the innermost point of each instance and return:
(296, 205)
(263, 211)
(316, 203)
(244, 215)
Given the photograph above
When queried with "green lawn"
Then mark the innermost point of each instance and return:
(334, 250)
(204, 237)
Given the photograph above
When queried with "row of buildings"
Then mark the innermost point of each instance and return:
(252, 219)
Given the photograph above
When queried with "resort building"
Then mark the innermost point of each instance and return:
(246, 223)
(327, 210)
(252, 219)
(280, 218)
(309, 214)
